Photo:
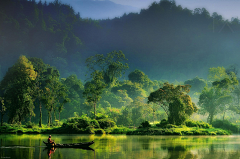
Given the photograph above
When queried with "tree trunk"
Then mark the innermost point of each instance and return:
(49, 118)
(40, 119)
(54, 115)
(153, 116)
(1, 119)
(224, 115)
(210, 118)
(94, 110)
(19, 118)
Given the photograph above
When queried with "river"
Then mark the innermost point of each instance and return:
(122, 147)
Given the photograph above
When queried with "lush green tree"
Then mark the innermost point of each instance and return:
(113, 113)
(154, 108)
(75, 94)
(197, 84)
(18, 90)
(2, 109)
(138, 76)
(54, 99)
(55, 93)
(140, 110)
(227, 83)
(209, 103)
(40, 67)
(94, 89)
(217, 74)
(75, 87)
(168, 94)
(62, 97)
(116, 100)
(112, 65)
(133, 89)
(177, 115)
(125, 118)
(218, 98)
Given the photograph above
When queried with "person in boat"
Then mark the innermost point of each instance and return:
(50, 141)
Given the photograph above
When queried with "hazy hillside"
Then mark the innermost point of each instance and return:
(165, 41)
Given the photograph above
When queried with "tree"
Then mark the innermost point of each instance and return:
(54, 92)
(218, 98)
(62, 96)
(133, 89)
(140, 77)
(140, 110)
(40, 67)
(125, 118)
(208, 102)
(217, 74)
(112, 65)
(2, 110)
(177, 114)
(197, 84)
(17, 85)
(94, 89)
(169, 95)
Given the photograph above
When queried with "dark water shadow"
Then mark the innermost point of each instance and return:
(50, 151)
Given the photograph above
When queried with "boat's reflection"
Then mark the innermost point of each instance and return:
(52, 150)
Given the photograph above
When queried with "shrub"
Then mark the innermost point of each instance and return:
(200, 124)
(81, 122)
(90, 130)
(95, 123)
(162, 124)
(99, 131)
(29, 125)
(106, 123)
(226, 125)
(145, 124)
(101, 116)
(170, 126)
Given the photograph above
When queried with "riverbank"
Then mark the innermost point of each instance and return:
(181, 130)
(23, 129)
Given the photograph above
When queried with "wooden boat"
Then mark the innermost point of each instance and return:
(74, 145)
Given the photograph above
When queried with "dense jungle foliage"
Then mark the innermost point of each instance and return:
(46, 50)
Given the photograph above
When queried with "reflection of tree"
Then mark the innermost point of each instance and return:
(145, 143)
(178, 152)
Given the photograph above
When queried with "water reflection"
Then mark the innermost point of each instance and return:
(122, 146)
(49, 151)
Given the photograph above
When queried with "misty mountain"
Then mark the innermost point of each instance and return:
(165, 41)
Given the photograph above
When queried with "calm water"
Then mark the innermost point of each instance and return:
(122, 146)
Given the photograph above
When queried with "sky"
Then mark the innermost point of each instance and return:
(103, 9)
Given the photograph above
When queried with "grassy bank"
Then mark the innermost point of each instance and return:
(86, 125)
(23, 129)
(190, 127)
(182, 130)
(179, 131)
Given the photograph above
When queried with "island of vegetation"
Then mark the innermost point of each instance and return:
(47, 48)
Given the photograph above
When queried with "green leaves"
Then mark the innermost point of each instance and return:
(112, 65)
(18, 86)
(94, 89)
(172, 98)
